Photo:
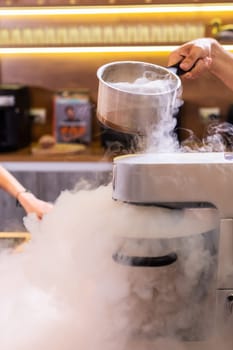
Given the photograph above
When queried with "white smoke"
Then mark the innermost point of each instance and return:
(65, 291)
(218, 138)
(149, 83)
(162, 99)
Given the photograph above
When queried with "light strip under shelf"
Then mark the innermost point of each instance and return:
(86, 49)
(97, 10)
(93, 49)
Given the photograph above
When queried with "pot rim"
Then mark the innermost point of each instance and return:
(101, 70)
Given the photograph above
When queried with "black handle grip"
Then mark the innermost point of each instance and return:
(142, 261)
(175, 68)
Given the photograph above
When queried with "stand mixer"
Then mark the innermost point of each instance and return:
(188, 182)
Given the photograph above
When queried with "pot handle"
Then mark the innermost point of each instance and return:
(145, 261)
(175, 68)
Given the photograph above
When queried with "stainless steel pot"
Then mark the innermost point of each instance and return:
(125, 106)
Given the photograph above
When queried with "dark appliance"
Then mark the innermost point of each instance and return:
(15, 121)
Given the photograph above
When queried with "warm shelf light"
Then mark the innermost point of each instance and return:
(93, 49)
(97, 10)
(86, 49)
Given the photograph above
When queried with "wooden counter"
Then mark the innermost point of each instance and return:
(91, 154)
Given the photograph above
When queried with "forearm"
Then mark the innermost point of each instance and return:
(9, 183)
(222, 64)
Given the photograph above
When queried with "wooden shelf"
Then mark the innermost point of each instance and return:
(15, 235)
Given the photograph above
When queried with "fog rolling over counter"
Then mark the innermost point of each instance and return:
(65, 290)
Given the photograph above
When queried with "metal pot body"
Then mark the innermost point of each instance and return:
(135, 110)
(173, 281)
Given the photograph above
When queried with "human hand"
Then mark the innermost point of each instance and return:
(195, 57)
(32, 204)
